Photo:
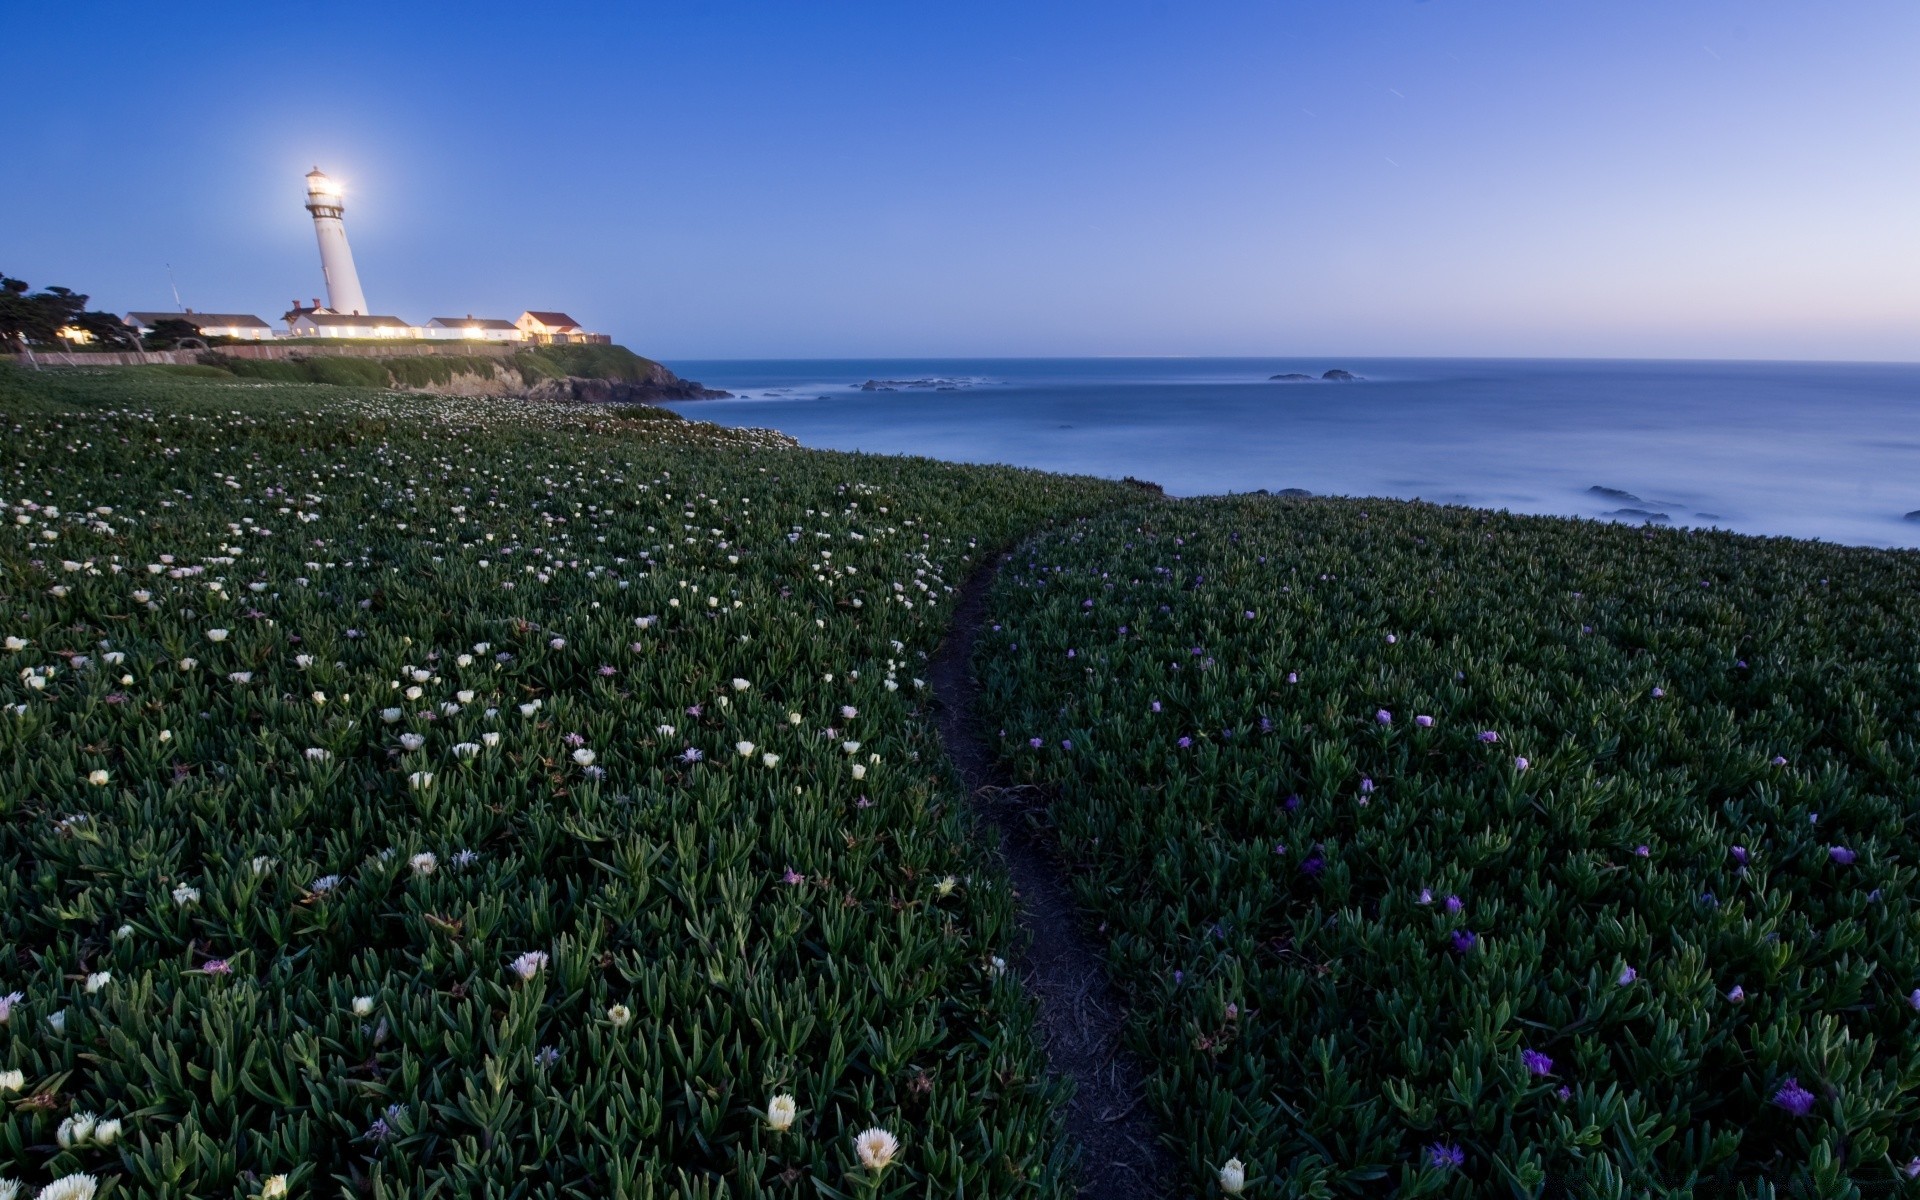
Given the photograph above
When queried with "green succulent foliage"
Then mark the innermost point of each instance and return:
(1705, 774)
(368, 873)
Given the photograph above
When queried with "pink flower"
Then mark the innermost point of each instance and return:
(793, 877)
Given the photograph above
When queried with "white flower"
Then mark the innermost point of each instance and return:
(166, 735)
(850, 747)
(420, 676)
(892, 686)
(464, 696)
(741, 685)
(466, 749)
(216, 635)
(57, 1021)
(745, 749)
(665, 730)
(363, 1006)
(262, 864)
(412, 741)
(859, 770)
(876, 1148)
(413, 693)
(123, 933)
(12, 1081)
(188, 664)
(491, 739)
(114, 658)
(619, 1015)
(316, 754)
(275, 1188)
(185, 895)
(142, 596)
(390, 715)
(303, 661)
(848, 711)
(584, 757)
(424, 863)
(529, 708)
(771, 760)
(529, 964)
(781, 1111)
(420, 781)
(240, 677)
(76, 1130)
(98, 980)
(1233, 1177)
(77, 1186)
(97, 778)
(320, 698)
(106, 1133)
(996, 965)
(17, 644)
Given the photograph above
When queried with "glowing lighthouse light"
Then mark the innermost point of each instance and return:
(336, 258)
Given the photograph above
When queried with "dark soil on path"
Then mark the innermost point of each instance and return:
(1080, 1014)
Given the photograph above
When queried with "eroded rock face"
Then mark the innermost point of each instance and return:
(660, 384)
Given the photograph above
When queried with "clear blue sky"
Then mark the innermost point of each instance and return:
(1692, 178)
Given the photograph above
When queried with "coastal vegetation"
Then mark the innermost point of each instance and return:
(1453, 853)
(410, 796)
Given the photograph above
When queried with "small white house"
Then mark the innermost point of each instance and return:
(555, 327)
(228, 325)
(306, 323)
(473, 329)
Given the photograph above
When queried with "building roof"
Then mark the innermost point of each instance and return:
(324, 319)
(553, 320)
(472, 323)
(199, 320)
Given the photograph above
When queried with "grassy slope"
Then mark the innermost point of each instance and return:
(1308, 1006)
(772, 928)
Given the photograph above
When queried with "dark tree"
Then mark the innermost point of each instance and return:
(168, 332)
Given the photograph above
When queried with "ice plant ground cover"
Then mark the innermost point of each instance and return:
(403, 796)
(1453, 853)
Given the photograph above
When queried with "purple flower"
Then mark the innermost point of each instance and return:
(1279, 847)
(694, 710)
(1423, 721)
(1779, 761)
(1035, 743)
(1185, 742)
(1627, 976)
(1794, 1098)
(1383, 717)
(1563, 1093)
(793, 878)
(1313, 865)
(379, 1131)
(1736, 994)
(1915, 999)
(1658, 693)
(691, 755)
(1537, 1063)
(217, 966)
(574, 739)
(1072, 654)
(1521, 764)
(1293, 677)
(1444, 1156)
(1249, 614)
(1454, 903)
(1291, 803)
(1066, 744)
(1841, 855)
(546, 1057)
(1489, 736)
(1463, 940)
(1426, 896)
(1154, 707)
(1366, 785)
(605, 670)
(1739, 855)
(1642, 851)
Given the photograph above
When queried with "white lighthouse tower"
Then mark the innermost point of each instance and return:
(336, 260)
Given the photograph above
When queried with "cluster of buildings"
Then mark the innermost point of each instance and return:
(346, 313)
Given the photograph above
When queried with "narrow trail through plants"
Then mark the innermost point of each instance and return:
(1080, 1014)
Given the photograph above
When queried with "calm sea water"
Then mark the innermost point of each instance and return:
(1817, 450)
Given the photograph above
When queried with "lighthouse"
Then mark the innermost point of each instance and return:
(336, 260)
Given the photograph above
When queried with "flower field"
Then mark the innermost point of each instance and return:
(1451, 853)
(410, 797)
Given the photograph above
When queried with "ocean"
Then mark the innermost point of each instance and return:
(1810, 450)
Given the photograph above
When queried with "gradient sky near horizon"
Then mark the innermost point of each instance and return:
(1641, 178)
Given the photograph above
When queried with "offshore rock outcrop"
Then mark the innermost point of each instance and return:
(659, 385)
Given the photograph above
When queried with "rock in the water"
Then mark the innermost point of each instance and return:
(1615, 494)
(1639, 514)
(1294, 492)
(1914, 515)
(1291, 377)
(1338, 376)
